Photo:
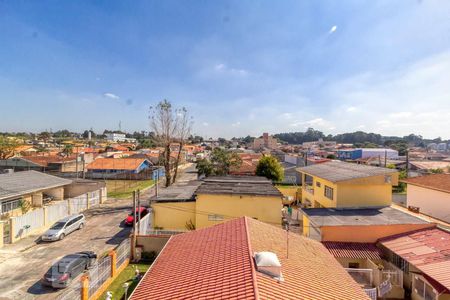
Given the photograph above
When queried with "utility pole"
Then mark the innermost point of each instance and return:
(306, 158)
(157, 182)
(139, 210)
(134, 226)
(385, 157)
(407, 163)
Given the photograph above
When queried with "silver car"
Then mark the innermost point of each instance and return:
(63, 227)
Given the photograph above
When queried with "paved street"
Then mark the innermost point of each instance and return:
(21, 269)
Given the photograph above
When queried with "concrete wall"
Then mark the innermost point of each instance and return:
(152, 242)
(56, 193)
(173, 215)
(431, 202)
(366, 234)
(264, 208)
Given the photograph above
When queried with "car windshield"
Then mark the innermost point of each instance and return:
(58, 225)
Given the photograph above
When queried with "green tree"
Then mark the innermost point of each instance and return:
(220, 163)
(436, 171)
(269, 167)
(68, 149)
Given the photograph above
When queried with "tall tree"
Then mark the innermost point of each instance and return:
(220, 163)
(7, 147)
(183, 132)
(269, 167)
(164, 123)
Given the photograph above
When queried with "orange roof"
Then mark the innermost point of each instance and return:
(217, 263)
(24, 148)
(353, 250)
(115, 164)
(427, 249)
(44, 160)
(440, 182)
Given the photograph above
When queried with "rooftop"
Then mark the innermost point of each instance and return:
(238, 185)
(116, 163)
(360, 217)
(336, 171)
(20, 183)
(217, 263)
(353, 250)
(427, 249)
(179, 192)
(440, 182)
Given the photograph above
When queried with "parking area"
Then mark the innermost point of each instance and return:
(22, 265)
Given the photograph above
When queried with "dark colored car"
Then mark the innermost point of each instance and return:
(140, 213)
(67, 268)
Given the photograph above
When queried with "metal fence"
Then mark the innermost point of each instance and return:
(122, 252)
(372, 293)
(57, 211)
(166, 231)
(99, 274)
(28, 222)
(71, 293)
(362, 276)
(78, 204)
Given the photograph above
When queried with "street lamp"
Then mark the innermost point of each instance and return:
(125, 287)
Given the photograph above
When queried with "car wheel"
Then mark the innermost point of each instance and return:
(81, 226)
(62, 236)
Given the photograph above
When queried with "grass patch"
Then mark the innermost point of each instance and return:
(127, 275)
(125, 188)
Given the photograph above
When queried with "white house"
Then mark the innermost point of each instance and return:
(431, 194)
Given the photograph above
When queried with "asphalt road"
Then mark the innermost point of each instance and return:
(21, 269)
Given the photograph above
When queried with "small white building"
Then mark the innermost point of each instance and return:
(430, 194)
(379, 152)
(119, 137)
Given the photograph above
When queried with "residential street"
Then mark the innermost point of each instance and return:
(23, 264)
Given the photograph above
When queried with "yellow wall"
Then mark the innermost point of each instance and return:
(264, 208)
(360, 192)
(293, 191)
(173, 215)
(366, 234)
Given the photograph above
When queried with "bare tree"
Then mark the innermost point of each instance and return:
(164, 123)
(184, 122)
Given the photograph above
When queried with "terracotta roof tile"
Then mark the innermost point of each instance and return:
(440, 182)
(353, 250)
(428, 250)
(115, 164)
(217, 263)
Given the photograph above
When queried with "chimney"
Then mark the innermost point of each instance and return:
(268, 263)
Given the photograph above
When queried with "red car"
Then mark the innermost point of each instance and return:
(140, 212)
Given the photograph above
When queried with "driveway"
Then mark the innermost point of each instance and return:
(21, 269)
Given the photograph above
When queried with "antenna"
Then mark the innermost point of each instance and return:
(120, 126)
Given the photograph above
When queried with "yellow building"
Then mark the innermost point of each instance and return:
(215, 200)
(346, 185)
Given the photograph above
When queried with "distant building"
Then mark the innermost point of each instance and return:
(353, 154)
(119, 137)
(266, 141)
(441, 147)
(120, 168)
(319, 144)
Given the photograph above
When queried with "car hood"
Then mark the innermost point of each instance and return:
(52, 231)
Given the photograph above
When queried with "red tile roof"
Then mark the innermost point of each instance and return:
(440, 182)
(428, 250)
(115, 164)
(44, 160)
(217, 263)
(353, 250)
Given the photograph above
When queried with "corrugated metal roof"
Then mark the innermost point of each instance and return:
(21, 183)
(336, 171)
(353, 250)
(428, 250)
(238, 185)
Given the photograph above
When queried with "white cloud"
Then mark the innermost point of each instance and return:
(333, 29)
(287, 116)
(237, 124)
(223, 68)
(402, 114)
(351, 109)
(205, 124)
(111, 96)
(219, 67)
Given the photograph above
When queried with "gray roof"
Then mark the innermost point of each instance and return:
(360, 217)
(20, 183)
(180, 192)
(336, 171)
(238, 185)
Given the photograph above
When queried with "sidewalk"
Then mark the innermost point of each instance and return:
(20, 246)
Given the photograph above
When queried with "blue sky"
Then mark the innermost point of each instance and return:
(239, 67)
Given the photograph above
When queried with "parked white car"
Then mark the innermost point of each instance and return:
(63, 227)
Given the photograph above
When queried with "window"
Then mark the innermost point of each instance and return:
(215, 218)
(353, 265)
(10, 205)
(328, 192)
(388, 179)
(318, 184)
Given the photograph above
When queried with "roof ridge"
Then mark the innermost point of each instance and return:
(252, 263)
